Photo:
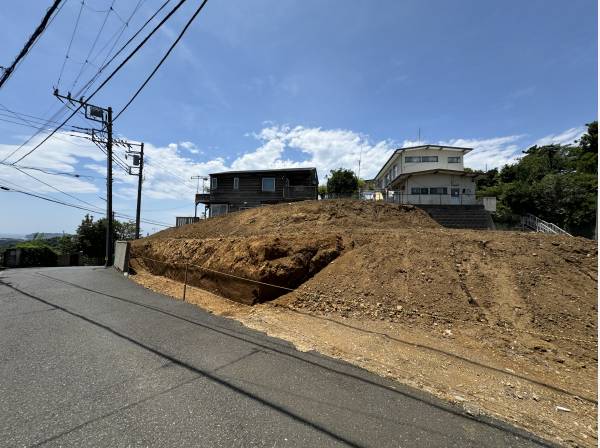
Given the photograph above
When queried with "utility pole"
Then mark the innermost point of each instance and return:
(139, 193)
(109, 182)
(204, 179)
(138, 161)
(104, 116)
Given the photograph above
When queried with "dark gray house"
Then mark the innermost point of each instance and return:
(231, 191)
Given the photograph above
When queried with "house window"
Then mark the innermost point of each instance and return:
(454, 159)
(268, 184)
(438, 190)
(236, 183)
(213, 183)
(419, 159)
(419, 190)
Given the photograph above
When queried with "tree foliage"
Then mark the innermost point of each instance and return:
(91, 235)
(342, 182)
(555, 182)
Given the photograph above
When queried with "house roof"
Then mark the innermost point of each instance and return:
(413, 148)
(276, 170)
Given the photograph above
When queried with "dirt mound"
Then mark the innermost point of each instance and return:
(539, 286)
(283, 245)
(305, 217)
(392, 263)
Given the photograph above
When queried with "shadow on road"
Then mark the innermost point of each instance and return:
(210, 375)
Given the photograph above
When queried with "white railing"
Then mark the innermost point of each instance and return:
(401, 197)
(539, 225)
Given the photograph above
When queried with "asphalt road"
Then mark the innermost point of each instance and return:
(88, 358)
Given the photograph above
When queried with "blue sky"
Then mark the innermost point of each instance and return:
(280, 83)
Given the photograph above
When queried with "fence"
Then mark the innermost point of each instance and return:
(184, 277)
(401, 197)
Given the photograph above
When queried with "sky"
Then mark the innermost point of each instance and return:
(280, 83)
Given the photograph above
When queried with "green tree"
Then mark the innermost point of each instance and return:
(91, 235)
(555, 182)
(322, 190)
(66, 244)
(342, 182)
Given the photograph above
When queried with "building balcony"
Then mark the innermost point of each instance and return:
(202, 198)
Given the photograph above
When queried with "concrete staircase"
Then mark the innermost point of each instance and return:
(460, 216)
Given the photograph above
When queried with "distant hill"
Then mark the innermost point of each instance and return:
(17, 236)
(43, 235)
(5, 243)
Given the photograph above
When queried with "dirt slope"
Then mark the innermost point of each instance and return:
(284, 245)
(522, 300)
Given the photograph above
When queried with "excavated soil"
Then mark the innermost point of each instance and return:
(282, 245)
(504, 322)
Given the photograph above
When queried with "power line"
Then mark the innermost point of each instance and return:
(33, 123)
(172, 173)
(88, 85)
(49, 199)
(54, 188)
(166, 55)
(116, 37)
(67, 204)
(52, 173)
(86, 61)
(70, 43)
(20, 116)
(114, 72)
(31, 41)
(105, 64)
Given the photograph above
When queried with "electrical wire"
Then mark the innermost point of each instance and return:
(114, 72)
(89, 55)
(52, 173)
(33, 123)
(70, 43)
(67, 204)
(116, 37)
(105, 64)
(50, 199)
(32, 40)
(85, 88)
(54, 188)
(166, 55)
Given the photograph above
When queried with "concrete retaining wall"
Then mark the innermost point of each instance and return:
(122, 256)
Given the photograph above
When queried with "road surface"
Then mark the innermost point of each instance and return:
(88, 358)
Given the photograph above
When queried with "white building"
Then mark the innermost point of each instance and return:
(427, 175)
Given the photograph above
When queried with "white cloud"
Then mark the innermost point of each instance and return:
(324, 149)
(60, 153)
(564, 138)
(168, 169)
(489, 153)
(191, 147)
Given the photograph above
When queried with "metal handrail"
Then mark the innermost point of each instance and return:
(539, 225)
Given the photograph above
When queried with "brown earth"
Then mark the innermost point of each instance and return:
(505, 321)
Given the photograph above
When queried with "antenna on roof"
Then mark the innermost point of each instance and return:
(359, 160)
(419, 138)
